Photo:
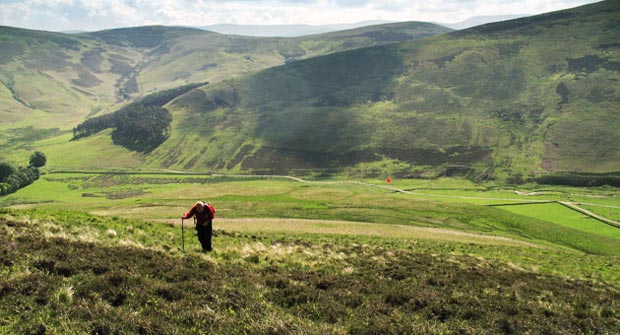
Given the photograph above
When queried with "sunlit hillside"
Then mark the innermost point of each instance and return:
(50, 82)
(509, 100)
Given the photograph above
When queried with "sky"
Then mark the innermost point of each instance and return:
(93, 15)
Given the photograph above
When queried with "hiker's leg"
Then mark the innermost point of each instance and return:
(208, 236)
(204, 236)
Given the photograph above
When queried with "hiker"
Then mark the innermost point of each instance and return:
(204, 214)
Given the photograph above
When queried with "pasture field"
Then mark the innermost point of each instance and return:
(122, 186)
(101, 253)
(554, 212)
(609, 211)
(443, 209)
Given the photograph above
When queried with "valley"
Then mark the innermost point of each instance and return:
(401, 178)
(515, 101)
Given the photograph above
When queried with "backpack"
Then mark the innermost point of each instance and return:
(211, 209)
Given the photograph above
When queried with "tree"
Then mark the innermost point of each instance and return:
(6, 170)
(142, 128)
(12, 179)
(133, 111)
(38, 159)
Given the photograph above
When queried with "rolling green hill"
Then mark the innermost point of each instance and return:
(56, 73)
(513, 99)
(51, 81)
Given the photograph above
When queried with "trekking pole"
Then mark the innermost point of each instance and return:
(182, 235)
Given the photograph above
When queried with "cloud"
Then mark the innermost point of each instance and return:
(58, 15)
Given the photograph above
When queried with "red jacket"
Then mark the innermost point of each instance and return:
(202, 218)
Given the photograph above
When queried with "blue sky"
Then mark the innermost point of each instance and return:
(91, 15)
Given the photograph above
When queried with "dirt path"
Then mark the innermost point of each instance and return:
(351, 228)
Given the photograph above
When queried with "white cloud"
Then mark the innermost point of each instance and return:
(103, 14)
(48, 3)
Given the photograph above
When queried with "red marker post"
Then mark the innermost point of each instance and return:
(389, 181)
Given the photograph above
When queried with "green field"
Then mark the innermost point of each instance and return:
(569, 218)
(454, 207)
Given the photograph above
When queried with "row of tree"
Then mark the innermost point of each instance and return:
(140, 126)
(12, 179)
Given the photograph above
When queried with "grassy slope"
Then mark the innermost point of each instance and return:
(54, 80)
(69, 272)
(214, 57)
(480, 270)
(527, 96)
(162, 197)
(577, 120)
(65, 76)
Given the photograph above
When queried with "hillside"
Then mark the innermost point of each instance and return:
(51, 81)
(514, 99)
(73, 273)
(49, 73)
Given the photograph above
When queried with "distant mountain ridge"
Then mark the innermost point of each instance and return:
(286, 30)
(480, 20)
(298, 30)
